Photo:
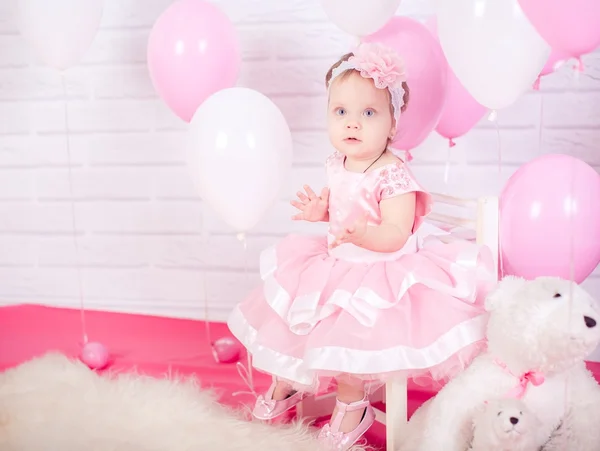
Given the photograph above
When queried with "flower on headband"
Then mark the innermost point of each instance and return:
(380, 63)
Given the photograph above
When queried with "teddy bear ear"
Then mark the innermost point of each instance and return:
(504, 292)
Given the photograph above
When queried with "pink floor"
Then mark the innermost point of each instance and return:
(146, 344)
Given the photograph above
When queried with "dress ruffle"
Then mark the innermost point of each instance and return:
(317, 316)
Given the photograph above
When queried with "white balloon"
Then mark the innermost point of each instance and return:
(360, 17)
(492, 48)
(60, 31)
(239, 154)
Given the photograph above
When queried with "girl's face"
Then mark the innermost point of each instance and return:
(359, 117)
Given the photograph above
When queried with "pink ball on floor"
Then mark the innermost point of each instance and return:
(226, 350)
(94, 355)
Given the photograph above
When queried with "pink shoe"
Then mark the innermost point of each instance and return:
(342, 441)
(266, 408)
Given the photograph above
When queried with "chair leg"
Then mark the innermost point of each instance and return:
(396, 412)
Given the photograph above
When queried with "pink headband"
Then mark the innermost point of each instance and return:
(383, 65)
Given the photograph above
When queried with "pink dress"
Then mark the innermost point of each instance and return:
(323, 312)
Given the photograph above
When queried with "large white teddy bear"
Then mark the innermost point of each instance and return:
(539, 333)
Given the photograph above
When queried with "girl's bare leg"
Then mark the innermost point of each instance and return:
(282, 391)
(350, 390)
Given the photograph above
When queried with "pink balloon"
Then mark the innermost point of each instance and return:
(427, 74)
(549, 213)
(572, 26)
(192, 53)
(226, 350)
(461, 111)
(94, 355)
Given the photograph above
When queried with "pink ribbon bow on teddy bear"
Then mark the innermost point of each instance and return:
(534, 378)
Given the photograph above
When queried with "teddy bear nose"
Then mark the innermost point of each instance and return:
(589, 322)
(514, 420)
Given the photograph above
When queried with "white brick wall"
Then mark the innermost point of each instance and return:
(146, 241)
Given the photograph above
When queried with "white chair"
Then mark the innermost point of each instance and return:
(480, 218)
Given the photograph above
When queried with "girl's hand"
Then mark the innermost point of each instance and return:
(312, 208)
(352, 234)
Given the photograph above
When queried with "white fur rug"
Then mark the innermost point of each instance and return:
(56, 404)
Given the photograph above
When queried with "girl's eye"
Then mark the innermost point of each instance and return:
(369, 112)
(340, 111)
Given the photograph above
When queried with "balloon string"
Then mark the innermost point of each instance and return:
(206, 238)
(250, 379)
(577, 69)
(447, 167)
(541, 129)
(73, 219)
(494, 118)
(571, 211)
(572, 234)
(206, 315)
(246, 375)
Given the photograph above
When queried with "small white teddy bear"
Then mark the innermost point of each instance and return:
(539, 332)
(505, 424)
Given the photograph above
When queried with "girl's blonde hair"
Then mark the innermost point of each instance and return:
(347, 73)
